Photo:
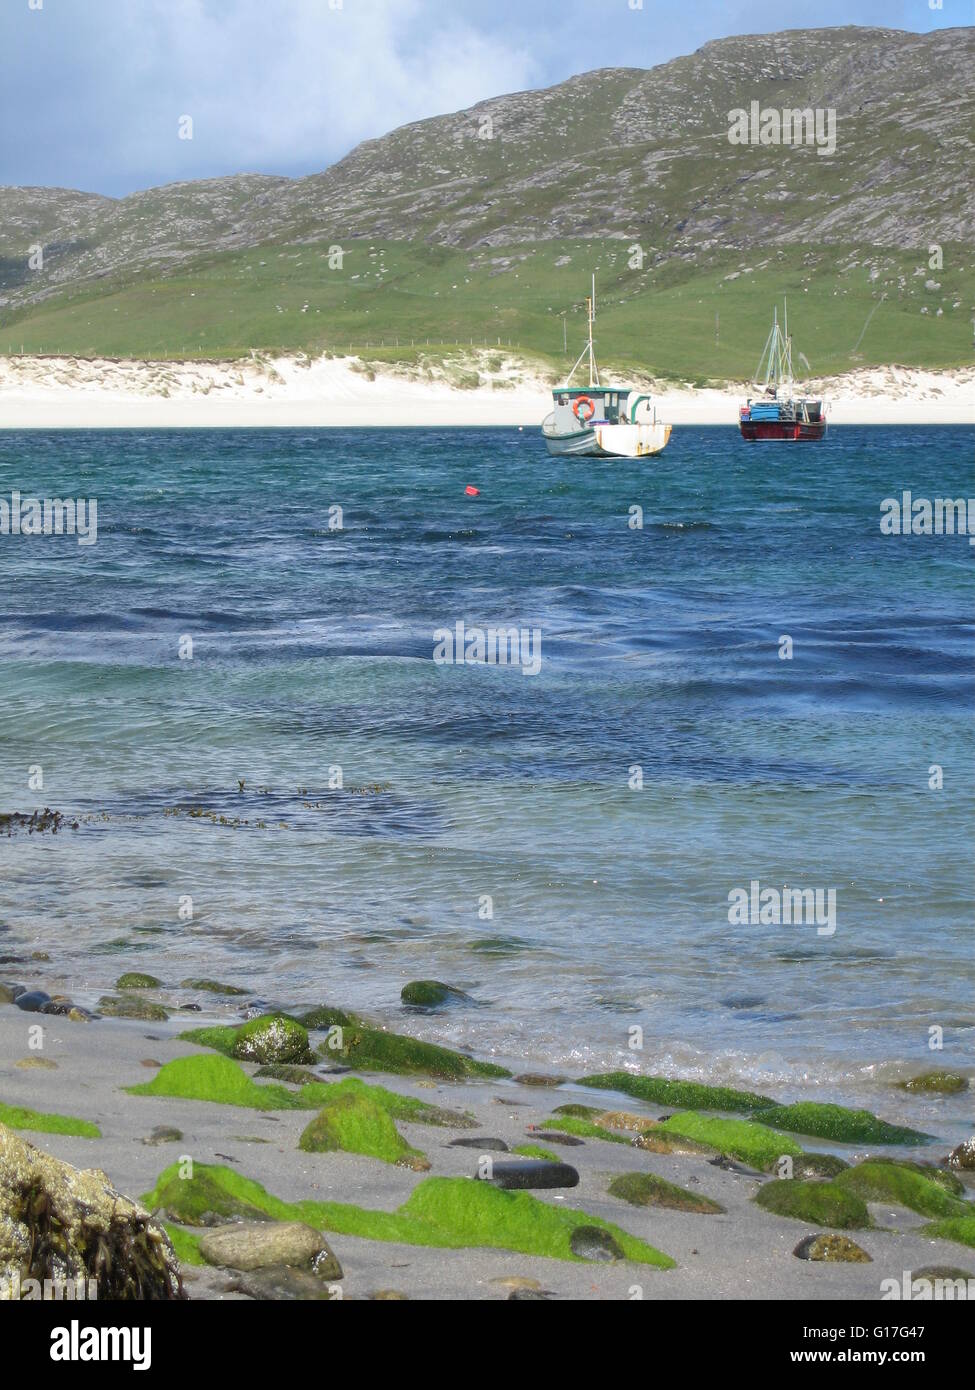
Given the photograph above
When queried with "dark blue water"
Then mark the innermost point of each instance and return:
(313, 651)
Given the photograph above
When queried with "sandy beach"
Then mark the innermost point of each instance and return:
(76, 393)
(741, 1251)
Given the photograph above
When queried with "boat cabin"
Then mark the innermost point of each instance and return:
(610, 405)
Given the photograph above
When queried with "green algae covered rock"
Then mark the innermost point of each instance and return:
(352, 1042)
(61, 1223)
(428, 994)
(810, 1165)
(206, 1198)
(17, 1117)
(214, 987)
(939, 1083)
(960, 1228)
(451, 1213)
(131, 1006)
(744, 1139)
(293, 1074)
(373, 1049)
(272, 1038)
(357, 1124)
(905, 1185)
(819, 1203)
(648, 1190)
(135, 980)
(689, 1095)
(831, 1250)
(838, 1124)
(324, 1017)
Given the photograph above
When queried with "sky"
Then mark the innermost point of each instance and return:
(93, 92)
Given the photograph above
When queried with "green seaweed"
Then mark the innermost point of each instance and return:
(213, 987)
(223, 1081)
(689, 1095)
(135, 980)
(185, 1244)
(447, 1213)
(819, 1203)
(217, 1079)
(904, 1185)
(426, 994)
(744, 1139)
(324, 1017)
(940, 1083)
(251, 1041)
(584, 1129)
(535, 1151)
(649, 1190)
(373, 1049)
(960, 1228)
(836, 1123)
(18, 1117)
(355, 1123)
(365, 1048)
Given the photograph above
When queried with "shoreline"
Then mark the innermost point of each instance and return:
(349, 392)
(739, 1251)
(86, 1069)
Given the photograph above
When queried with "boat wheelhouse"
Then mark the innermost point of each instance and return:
(777, 413)
(599, 421)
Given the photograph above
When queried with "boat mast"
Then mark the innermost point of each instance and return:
(587, 351)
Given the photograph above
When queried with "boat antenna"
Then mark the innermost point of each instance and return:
(587, 351)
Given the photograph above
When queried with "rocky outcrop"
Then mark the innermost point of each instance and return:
(70, 1226)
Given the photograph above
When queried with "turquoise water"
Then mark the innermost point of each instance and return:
(313, 647)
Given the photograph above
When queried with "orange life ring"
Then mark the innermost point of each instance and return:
(581, 401)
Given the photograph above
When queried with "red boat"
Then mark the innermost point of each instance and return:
(777, 413)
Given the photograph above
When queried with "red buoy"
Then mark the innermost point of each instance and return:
(472, 491)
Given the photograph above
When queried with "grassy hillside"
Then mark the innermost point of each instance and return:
(677, 319)
(454, 237)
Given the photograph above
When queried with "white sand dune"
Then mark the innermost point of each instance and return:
(80, 393)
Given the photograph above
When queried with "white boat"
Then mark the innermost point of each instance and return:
(598, 421)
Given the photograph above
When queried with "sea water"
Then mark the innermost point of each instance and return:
(743, 687)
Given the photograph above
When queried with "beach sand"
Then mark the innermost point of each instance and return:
(75, 393)
(743, 1253)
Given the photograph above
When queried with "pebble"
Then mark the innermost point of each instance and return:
(530, 1172)
(10, 993)
(524, 1295)
(388, 1296)
(534, 1078)
(280, 1282)
(516, 1281)
(593, 1243)
(32, 1001)
(254, 1245)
